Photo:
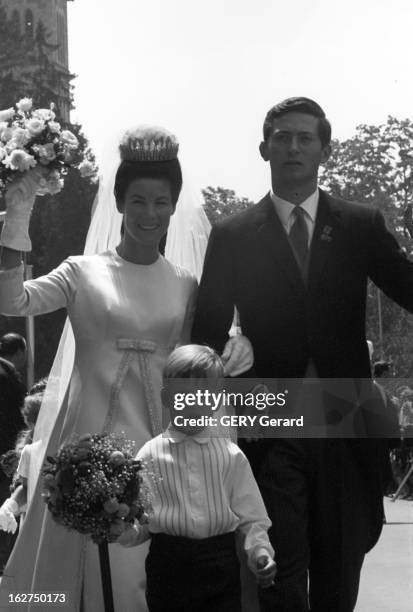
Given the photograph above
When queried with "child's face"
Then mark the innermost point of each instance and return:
(187, 400)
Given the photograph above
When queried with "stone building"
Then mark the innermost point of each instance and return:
(34, 51)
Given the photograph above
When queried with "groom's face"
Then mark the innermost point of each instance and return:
(294, 149)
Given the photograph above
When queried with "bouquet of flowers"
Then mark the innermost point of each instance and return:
(32, 138)
(93, 485)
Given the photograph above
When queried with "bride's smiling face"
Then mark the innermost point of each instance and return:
(147, 209)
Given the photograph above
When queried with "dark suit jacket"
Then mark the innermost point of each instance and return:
(249, 264)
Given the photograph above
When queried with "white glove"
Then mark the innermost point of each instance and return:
(7, 511)
(20, 197)
(238, 355)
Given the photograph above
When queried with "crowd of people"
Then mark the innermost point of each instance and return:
(304, 511)
(14, 463)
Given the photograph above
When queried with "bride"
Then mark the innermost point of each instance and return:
(128, 307)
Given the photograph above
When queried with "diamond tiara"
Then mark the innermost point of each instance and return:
(148, 143)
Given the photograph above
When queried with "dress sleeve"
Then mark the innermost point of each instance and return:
(189, 312)
(247, 504)
(41, 295)
(24, 463)
(214, 311)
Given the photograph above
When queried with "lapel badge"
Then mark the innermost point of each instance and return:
(326, 233)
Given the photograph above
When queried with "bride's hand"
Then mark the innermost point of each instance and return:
(20, 197)
(238, 356)
(22, 190)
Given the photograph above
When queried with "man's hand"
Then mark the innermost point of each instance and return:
(238, 356)
(265, 571)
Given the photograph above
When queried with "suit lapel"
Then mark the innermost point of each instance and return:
(326, 227)
(274, 239)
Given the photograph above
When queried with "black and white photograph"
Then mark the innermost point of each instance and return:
(206, 300)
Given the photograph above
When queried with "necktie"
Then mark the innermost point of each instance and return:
(299, 236)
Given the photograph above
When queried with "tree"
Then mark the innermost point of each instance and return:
(375, 167)
(221, 203)
(59, 223)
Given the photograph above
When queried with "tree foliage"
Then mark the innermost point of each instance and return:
(221, 203)
(375, 167)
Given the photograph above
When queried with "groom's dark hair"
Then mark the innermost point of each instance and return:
(299, 105)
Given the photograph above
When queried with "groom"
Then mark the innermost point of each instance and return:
(296, 266)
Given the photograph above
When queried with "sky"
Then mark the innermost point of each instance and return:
(209, 71)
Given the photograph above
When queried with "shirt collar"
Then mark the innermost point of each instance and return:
(284, 209)
(175, 436)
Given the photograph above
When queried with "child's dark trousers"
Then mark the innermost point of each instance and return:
(190, 575)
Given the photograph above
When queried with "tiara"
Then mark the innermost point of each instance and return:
(148, 143)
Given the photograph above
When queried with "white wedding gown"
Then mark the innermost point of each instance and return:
(126, 319)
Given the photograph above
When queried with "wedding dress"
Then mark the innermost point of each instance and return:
(124, 318)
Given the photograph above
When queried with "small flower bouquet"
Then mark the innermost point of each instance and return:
(93, 485)
(32, 138)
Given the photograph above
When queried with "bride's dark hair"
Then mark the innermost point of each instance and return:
(128, 171)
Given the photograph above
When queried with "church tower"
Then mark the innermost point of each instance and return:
(37, 53)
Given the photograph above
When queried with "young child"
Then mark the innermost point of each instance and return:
(202, 493)
(17, 503)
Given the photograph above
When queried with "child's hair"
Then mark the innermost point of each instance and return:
(39, 386)
(11, 343)
(31, 407)
(30, 412)
(194, 361)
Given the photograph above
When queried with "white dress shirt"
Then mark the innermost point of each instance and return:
(285, 211)
(201, 487)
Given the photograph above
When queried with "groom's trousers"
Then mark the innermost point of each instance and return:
(321, 525)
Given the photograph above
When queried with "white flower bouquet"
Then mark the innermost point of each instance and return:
(32, 138)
